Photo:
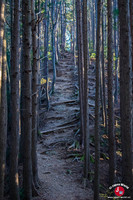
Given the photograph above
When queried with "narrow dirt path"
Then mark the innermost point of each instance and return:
(60, 168)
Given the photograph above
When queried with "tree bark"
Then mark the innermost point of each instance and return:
(126, 92)
(85, 100)
(74, 32)
(103, 75)
(2, 18)
(116, 52)
(27, 121)
(110, 97)
(131, 24)
(14, 180)
(46, 24)
(53, 44)
(34, 97)
(63, 24)
(80, 65)
(97, 114)
(3, 99)
(93, 26)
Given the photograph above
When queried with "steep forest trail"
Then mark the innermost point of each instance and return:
(60, 168)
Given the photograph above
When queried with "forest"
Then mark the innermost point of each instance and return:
(66, 99)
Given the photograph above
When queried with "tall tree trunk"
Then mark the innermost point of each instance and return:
(74, 32)
(15, 104)
(34, 97)
(63, 26)
(22, 106)
(80, 65)
(57, 46)
(27, 164)
(2, 18)
(131, 24)
(61, 19)
(103, 75)
(38, 34)
(53, 44)
(116, 52)
(3, 111)
(125, 92)
(97, 114)
(93, 25)
(110, 97)
(85, 100)
(105, 25)
(3, 99)
(64, 23)
(38, 55)
(46, 24)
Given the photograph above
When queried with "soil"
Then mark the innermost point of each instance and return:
(60, 160)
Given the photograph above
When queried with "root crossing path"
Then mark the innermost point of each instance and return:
(59, 156)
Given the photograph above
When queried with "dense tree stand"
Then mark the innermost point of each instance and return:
(59, 168)
(66, 99)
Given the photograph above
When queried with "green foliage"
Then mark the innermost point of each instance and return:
(49, 55)
(115, 58)
(115, 26)
(77, 145)
(105, 4)
(92, 139)
(90, 46)
(93, 55)
(67, 46)
(21, 193)
(42, 48)
(39, 133)
(82, 158)
(56, 62)
(42, 11)
(49, 5)
(50, 47)
(116, 12)
(104, 156)
(92, 159)
(105, 51)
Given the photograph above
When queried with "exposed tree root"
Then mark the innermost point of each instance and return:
(58, 129)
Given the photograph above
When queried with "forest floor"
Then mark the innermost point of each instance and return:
(60, 158)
